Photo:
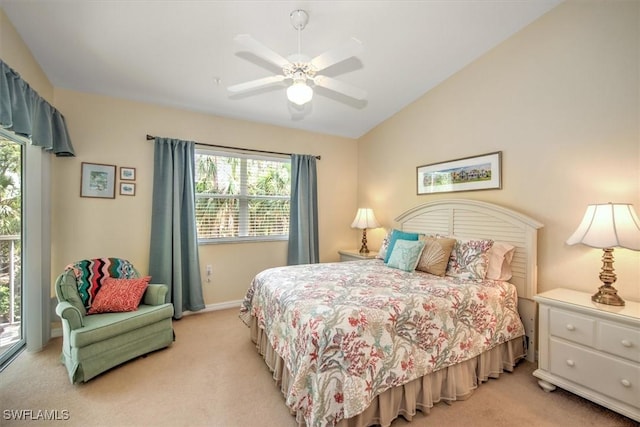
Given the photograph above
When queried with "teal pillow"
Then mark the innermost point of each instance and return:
(396, 235)
(406, 254)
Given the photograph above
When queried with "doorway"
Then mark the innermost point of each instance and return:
(11, 221)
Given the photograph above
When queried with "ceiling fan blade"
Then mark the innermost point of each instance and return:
(261, 50)
(255, 84)
(340, 87)
(333, 56)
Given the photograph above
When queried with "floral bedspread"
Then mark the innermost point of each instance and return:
(349, 331)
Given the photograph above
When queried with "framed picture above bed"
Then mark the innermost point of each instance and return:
(483, 172)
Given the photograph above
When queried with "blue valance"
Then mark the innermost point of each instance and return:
(26, 113)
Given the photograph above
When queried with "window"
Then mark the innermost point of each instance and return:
(241, 197)
(11, 224)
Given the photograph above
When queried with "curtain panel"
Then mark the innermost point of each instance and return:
(26, 113)
(173, 257)
(303, 223)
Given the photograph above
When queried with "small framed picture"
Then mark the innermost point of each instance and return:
(127, 189)
(127, 173)
(98, 180)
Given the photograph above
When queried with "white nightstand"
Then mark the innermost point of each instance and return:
(590, 349)
(354, 255)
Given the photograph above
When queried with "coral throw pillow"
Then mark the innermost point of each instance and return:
(117, 295)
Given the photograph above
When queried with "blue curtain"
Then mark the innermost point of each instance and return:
(24, 112)
(303, 223)
(173, 255)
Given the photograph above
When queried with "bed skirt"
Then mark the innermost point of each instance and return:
(456, 382)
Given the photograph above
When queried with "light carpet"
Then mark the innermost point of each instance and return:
(213, 376)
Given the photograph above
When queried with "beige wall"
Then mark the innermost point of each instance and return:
(15, 53)
(112, 131)
(560, 100)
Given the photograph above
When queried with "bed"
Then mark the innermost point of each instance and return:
(360, 343)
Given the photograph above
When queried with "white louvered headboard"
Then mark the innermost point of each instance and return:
(475, 219)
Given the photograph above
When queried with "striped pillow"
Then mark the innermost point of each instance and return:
(91, 273)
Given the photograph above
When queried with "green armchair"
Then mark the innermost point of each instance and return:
(95, 343)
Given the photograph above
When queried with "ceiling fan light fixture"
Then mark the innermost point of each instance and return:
(299, 93)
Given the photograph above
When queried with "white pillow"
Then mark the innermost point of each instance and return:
(500, 257)
(382, 253)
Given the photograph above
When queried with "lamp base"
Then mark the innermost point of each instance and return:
(364, 250)
(608, 295)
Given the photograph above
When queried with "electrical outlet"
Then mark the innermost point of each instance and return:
(209, 272)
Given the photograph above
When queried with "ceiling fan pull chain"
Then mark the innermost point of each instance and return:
(299, 38)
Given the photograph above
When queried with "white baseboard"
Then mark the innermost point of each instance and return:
(216, 307)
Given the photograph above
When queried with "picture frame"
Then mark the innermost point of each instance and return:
(127, 189)
(482, 172)
(127, 173)
(98, 180)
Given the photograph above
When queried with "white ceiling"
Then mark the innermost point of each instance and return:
(174, 53)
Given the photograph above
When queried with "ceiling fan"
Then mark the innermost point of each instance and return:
(300, 69)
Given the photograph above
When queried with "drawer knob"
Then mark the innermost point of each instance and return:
(570, 327)
(627, 343)
(571, 362)
(626, 383)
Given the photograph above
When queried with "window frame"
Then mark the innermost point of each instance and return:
(243, 198)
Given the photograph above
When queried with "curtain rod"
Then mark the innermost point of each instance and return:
(151, 138)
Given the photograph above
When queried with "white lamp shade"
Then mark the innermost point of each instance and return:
(365, 219)
(299, 93)
(608, 225)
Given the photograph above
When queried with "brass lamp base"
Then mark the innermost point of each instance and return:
(364, 249)
(607, 294)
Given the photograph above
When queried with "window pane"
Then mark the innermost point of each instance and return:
(216, 217)
(11, 222)
(268, 178)
(217, 174)
(268, 217)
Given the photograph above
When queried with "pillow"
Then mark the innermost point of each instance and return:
(118, 295)
(500, 256)
(406, 254)
(90, 274)
(435, 255)
(382, 253)
(395, 235)
(469, 259)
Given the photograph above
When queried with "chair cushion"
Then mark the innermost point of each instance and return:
(99, 327)
(90, 274)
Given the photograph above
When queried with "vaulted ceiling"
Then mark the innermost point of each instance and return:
(182, 53)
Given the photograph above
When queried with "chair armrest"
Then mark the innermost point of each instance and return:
(71, 314)
(155, 294)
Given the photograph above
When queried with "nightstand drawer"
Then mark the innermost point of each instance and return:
(354, 255)
(572, 327)
(607, 375)
(619, 340)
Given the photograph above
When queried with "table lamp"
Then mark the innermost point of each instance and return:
(606, 226)
(365, 219)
